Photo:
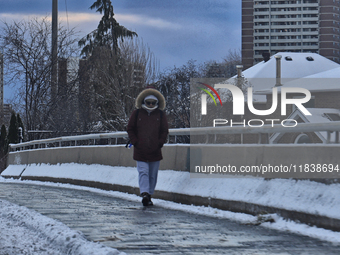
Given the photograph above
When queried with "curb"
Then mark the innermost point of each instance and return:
(229, 205)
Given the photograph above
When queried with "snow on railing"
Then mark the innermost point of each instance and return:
(207, 131)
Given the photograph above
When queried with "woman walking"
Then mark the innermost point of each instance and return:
(148, 130)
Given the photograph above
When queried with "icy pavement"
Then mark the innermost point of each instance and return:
(25, 231)
(118, 220)
(294, 195)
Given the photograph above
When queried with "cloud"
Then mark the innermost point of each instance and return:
(142, 20)
(175, 31)
(78, 18)
(7, 17)
(71, 17)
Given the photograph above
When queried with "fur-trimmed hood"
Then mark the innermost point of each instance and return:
(150, 91)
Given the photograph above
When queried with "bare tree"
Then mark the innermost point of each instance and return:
(175, 86)
(113, 82)
(226, 68)
(231, 60)
(27, 58)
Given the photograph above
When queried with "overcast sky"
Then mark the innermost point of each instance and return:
(175, 30)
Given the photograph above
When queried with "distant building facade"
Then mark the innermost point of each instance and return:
(5, 109)
(310, 71)
(319, 76)
(271, 26)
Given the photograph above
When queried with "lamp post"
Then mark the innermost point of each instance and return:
(54, 76)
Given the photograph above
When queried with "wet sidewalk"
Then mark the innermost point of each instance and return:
(131, 228)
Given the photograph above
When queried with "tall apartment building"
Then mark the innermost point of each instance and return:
(270, 26)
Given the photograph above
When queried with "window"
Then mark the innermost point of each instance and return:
(261, 30)
(310, 8)
(261, 2)
(310, 1)
(261, 23)
(310, 44)
(310, 15)
(310, 22)
(332, 116)
(261, 37)
(261, 9)
(310, 29)
(310, 36)
(302, 138)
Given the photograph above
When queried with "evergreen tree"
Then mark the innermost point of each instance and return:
(108, 31)
(3, 141)
(13, 130)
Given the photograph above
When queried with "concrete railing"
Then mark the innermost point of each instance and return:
(185, 157)
(207, 131)
(90, 139)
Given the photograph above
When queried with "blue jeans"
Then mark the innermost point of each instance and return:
(148, 172)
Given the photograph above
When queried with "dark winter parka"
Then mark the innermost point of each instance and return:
(148, 130)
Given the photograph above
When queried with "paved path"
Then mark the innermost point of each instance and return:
(129, 227)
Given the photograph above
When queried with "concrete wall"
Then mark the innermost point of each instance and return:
(175, 157)
(293, 157)
(180, 157)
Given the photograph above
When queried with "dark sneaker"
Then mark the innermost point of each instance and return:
(146, 198)
(150, 202)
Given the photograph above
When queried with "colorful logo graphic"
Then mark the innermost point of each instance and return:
(209, 93)
(239, 99)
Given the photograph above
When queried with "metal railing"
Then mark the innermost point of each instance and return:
(89, 139)
(266, 130)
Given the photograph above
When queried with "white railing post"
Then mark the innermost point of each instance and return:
(328, 137)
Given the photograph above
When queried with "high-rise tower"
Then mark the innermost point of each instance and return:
(270, 26)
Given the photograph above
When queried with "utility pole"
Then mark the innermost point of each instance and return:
(54, 75)
(1, 86)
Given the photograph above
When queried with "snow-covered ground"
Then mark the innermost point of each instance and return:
(304, 196)
(25, 231)
(298, 195)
